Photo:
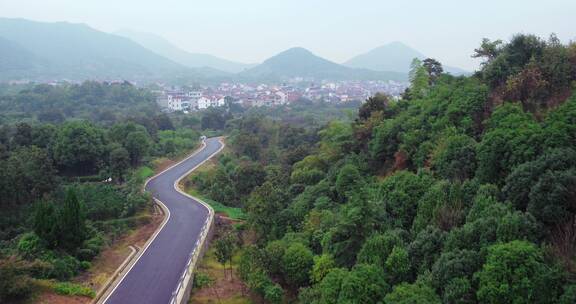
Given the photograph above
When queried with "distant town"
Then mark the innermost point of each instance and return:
(172, 99)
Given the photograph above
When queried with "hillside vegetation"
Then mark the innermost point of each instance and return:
(461, 192)
(69, 187)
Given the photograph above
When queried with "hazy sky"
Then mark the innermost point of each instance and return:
(252, 30)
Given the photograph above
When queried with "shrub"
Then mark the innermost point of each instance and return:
(71, 289)
(201, 280)
(30, 245)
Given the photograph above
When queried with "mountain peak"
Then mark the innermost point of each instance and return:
(394, 56)
(300, 62)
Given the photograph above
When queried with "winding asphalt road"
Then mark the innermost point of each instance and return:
(155, 275)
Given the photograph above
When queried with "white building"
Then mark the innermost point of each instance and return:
(203, 103)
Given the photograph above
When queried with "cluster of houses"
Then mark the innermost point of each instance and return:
(258, 95)
(178, 100)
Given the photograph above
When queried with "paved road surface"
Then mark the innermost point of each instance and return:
(155, 275)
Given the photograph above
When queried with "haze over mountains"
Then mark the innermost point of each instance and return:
(299, 62)
(52, 51)
(395, 57)
(77, 51)
(165, 48)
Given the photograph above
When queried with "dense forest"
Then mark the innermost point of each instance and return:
(462, 191)
(105, 103)
(71, 178)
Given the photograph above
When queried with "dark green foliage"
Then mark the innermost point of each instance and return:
(45, 223)
(119, 163)
(348, 179)
(400, 194)
(455, 157)
(14, 284)
(545, 186)
(516, 273)
(297, 263)
(412, 293)
(459, 264)
(214, 119)
(377, 103)
(98, 102)
(26, 175)
(79, 148)
(513, 138)
(426, 248)
(363, 284)
(460, 192)
(378, 248)
(71, 223)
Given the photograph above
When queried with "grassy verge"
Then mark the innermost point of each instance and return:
(231, 212)
(144, 172)
(223, 288)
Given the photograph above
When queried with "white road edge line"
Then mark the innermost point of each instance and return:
(209, 220)
(151, 240)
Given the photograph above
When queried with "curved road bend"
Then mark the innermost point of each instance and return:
(155, 275)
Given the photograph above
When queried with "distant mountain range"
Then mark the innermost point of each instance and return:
(76, 51)
(395, 57)
(299, 62)
(54, 51)
(163, 47)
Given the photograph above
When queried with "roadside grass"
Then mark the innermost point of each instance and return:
(73, 289)
(223, 290)
(231, 212)
(144, 172)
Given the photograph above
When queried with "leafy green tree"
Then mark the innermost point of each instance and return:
(455, 157)
(119, 163)
(357, 220)
(79, 147)
(273, 293)
(419, 80)
(45, 223)
(331, 286)
(248, 176)
(515, 272)
(30, 174)
(262, 207)
(323, 264)
(23, 135)
(459, 290)
(137, 144)
(348, 179)
(513, 138)
(298, 261)
(71, 224)
(364, 284)
(406, 293)
(376, 103)
(397, 265)
(433, 68)
(452, 265)
(426, 247)
(488, 50)
(163, 122)
(378, 248)
(552, 197)
(544, 187)
(274, 252)
(224, 249)
(400, 193)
